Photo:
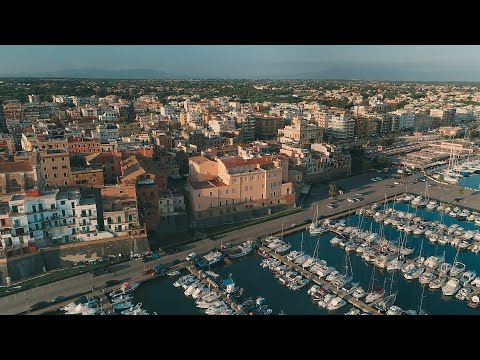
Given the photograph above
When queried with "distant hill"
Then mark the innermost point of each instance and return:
(92, 73)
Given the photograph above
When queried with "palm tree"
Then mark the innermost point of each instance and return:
(332, 190)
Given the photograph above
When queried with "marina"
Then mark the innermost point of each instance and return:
(413, 292)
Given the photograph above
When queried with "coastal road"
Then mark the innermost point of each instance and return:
(371, 191)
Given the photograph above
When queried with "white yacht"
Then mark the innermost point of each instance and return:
(336, 303)
(463, 293)
(427, 277)
(468, 276)
(457, 268)
(437, 283)
(358, 293)
(451, 287)
(394, 310)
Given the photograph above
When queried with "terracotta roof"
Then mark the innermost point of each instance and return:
(7, 167)
(238, 161)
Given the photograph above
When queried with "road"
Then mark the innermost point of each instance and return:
(371, 191)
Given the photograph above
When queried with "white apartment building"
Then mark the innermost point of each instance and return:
(52, 217)
(406, 119)
(108, 115)
(89, 111)
(171, 204)
(342, 127)
(106, 132)
(222, 124)
(464, 114)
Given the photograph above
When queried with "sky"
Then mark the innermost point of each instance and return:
(364, 62)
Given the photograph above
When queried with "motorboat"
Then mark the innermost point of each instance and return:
(350, 287)
(82, 300)
(444, 268)
(427, 277)
(414, 273)
(121, 298)
(395, 264)
(374, 295)
(336, 303)
(451, 287)
(173, 273)
(437, 283)
(457, 268)
(394, 310)
(358, 293)
(386, 302)
(123, 305)
(468, 276)
(353, 311)
(474, 301)
(463, 293)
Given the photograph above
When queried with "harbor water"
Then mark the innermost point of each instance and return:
(161, 296)
(470, 182)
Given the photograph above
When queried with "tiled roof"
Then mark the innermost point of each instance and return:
(7, 167)
(238, 161)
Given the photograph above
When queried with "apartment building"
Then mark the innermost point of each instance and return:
(55, 168)
(342, 127)
(266, 127)
(83, 145)
(120, 212)
(300, 132)
(17, 177)
(234, 184)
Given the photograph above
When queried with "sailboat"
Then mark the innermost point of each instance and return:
(345, 279)
(315, 228)
(374, 293)
(457, 267)
(388, 300)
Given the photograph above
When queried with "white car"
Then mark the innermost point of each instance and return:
(374, 179)
(379, 178)
(191, 256)
(359, 195)
(396, 183)
(351, 200)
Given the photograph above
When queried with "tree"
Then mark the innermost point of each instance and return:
(461, 191)
(441, 178)
(332, 190)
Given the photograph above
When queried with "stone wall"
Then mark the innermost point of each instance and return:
(65, 255)
(239, 217)
(324, 177)
(24, 266)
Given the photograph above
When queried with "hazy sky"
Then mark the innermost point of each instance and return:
(392, 62)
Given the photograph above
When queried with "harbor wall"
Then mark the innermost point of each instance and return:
(65, 255)
(24, 266)
(55, 257)
(239, 217)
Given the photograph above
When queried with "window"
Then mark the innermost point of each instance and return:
(119, 219)
(220, 202)
(161, 203)
(73, 205)
(34, 208)
(246, 188)
(198, 195)
(233, 201)
(46, 176)
(109, 220)
(251, 188)
(199, 206)
(211, 194)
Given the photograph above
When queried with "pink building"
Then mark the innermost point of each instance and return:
(234, 184)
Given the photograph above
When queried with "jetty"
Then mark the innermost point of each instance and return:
(339, 292)
(214, 287)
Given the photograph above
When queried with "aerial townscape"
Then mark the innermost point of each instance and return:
(239, 196)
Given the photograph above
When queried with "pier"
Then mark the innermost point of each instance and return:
(339, 292)
(214, 287)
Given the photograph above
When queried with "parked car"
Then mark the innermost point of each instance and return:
(58, 299)
(191, 256)
(307, 221)
(39, 305)
(148, 272)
